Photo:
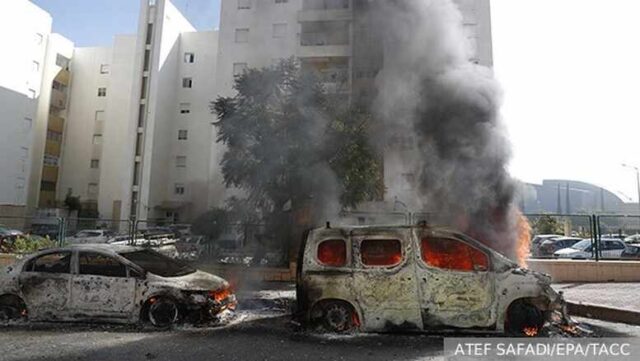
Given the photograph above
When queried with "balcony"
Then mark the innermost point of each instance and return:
(58, 99)
(49, 174)
(56, 123)
(63, 77)
(52, 148)
(307, 51)
(312, 15)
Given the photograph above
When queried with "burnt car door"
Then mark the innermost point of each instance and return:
(101, 287)
(455, 281)
(45, 285)
(384, 282)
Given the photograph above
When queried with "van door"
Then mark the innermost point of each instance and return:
(455, 283)
(385, 283)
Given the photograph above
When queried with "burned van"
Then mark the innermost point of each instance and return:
(378, 279)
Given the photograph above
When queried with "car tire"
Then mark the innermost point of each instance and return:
(524, 319)
(12, 308)
(337, 317)
(162, 312)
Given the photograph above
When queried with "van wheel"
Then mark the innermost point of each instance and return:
(162, 312)
(524, 319)
(337, 316)
(12, 308)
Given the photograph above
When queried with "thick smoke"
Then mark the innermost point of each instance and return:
(442, 127)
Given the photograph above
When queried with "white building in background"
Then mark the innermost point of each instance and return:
(170, 129)
(127, 128)
(33, 96)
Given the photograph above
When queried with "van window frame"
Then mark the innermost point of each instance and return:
(376, 237)
(348, 263)
(424, 263)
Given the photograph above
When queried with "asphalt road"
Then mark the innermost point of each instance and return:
(260, 332)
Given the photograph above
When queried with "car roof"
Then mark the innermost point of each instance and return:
(95, 247)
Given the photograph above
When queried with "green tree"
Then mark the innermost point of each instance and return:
(289, 142)
(548, 225)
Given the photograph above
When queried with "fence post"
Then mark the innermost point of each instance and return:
(61, 231)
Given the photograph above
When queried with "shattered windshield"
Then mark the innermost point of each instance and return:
(158, 264)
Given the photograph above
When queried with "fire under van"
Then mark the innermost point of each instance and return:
(388, 278)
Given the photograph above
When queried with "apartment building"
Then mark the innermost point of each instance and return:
(341, 40)
(34, 84)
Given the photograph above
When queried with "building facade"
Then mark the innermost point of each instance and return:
(34, 85)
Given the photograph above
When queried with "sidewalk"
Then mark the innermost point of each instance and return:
(615, 302)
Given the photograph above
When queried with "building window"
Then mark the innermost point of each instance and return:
(58, 86)
(242, 35)
(32, 94)
(239, 68)
(54, 136)
(92, 189)
(149, 33)
(62, 61)
(185, 108)
(95, 163)
(182, 134)
(181, 161)
(279, 31)
(187, 82)
(38, 38)
(104, 68)
(244, 4)
(97, 139)
(28, 123)
(178, 188)
(35, 66)
(282, 1)
(189, 57)
(147, 59)
(50, 160)
(99, 115)
(102, 92)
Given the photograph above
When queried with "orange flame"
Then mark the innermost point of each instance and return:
(530, 331)
(523, 246)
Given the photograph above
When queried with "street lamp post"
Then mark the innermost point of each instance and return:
(637, 182)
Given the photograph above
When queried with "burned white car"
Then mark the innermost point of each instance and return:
(111, 283)
(418, 278)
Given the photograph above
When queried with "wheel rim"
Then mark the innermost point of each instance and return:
(337, 317)
(163, 313)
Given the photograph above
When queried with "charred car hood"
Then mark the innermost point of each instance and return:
(197, 281)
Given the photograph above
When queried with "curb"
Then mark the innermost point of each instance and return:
(605, 313)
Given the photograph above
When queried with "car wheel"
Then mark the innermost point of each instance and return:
(12, 308)
(162, 312)
(524, 319)
(337, 317)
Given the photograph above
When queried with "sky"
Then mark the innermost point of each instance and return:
(569, 69)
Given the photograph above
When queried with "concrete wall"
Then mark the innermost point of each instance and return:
(587, 271)
(24, 34)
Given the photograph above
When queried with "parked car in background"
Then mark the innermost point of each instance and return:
(94, 282)
(635, 238)
(90, 236)
(538, 239)
(631, 252)
(609, 248)
(549, 246)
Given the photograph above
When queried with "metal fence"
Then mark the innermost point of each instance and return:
(601, 235)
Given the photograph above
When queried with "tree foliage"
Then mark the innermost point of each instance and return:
(288, 141)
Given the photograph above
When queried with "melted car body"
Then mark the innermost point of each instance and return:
(110, 283)
(416, 278)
